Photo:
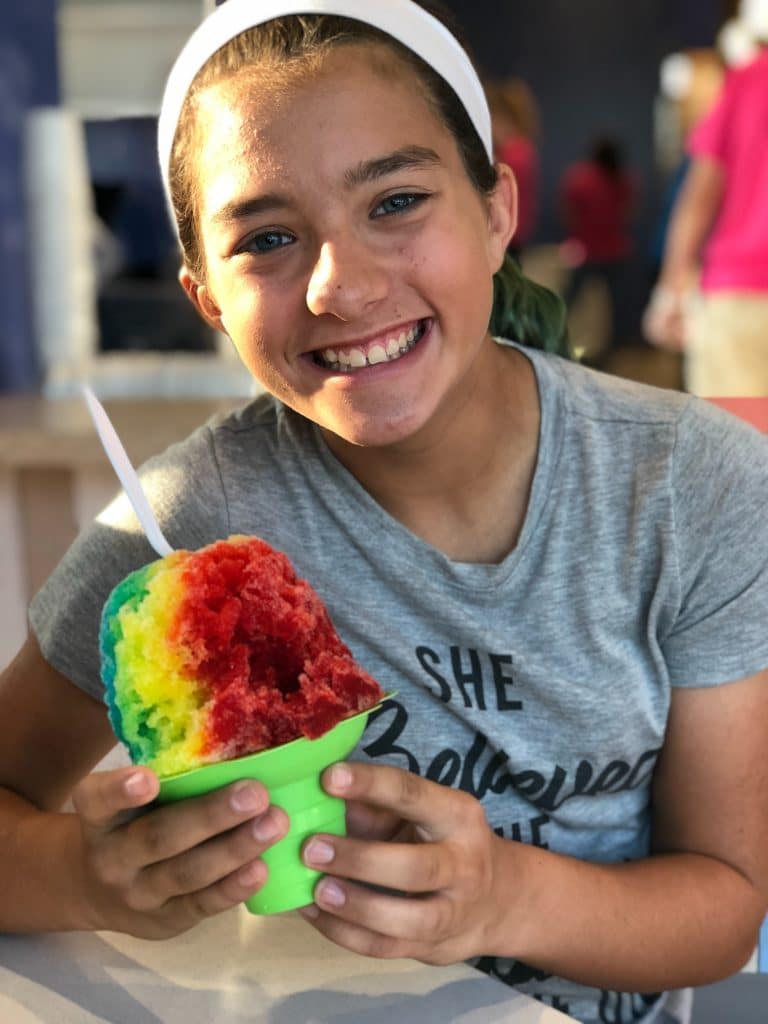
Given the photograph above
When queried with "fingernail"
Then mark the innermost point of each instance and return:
(320, 852)
(137, 784)
(246, 797)
(310, 912)
(330, 893)
(266, 828)
(251, 874)
(340, 777)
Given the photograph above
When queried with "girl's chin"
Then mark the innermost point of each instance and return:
(365, 438)
(370, 432)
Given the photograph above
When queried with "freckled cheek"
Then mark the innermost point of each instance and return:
(266, 326)
(255, 306)
(421, 262)
(437, 275)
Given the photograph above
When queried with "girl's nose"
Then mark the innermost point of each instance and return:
(345, 281)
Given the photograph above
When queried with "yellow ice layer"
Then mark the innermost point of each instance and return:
(150, 675)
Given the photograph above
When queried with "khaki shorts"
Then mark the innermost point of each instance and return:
(727, 350)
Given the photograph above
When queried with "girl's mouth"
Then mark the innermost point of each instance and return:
(388, 350)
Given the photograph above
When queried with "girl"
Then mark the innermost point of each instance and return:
(554, 569)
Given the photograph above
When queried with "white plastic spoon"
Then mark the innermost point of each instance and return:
(126, 474)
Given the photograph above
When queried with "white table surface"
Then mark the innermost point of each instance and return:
(237, 968)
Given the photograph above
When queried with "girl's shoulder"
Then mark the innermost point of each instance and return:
(594, 395)
(260, 425)
(626, 417)
(250, 435)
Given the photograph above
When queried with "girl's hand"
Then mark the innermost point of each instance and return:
(442, 863)
(158, 873)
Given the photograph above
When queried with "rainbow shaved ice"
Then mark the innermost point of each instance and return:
(213, 654)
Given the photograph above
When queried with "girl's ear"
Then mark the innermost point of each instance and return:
(502, 215)
(201, 298)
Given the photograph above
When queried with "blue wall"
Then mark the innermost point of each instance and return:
(28, 78)
(593, 65)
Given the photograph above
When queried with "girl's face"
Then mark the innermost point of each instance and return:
(347, 254)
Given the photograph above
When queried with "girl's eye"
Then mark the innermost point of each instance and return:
(267, 241)
(399, 203)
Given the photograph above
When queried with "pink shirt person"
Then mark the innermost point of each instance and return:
(520, 154)
(735, 135)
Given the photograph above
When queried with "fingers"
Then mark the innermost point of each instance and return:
(433, 808)
(229, 892)
(175, 828)
(661, 335)
(175, 849)
(103, 798)
(371, 822)
(374, 924)
(160, 873)
(225, 857)
(183, 912)
(665, 320)
(408, 867)
(427, 893)
(384, 926)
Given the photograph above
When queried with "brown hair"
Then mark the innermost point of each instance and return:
(299, 43)
(512, 100)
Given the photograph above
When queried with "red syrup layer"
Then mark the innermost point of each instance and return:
(261, 643)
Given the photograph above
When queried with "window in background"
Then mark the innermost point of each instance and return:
(140, 303)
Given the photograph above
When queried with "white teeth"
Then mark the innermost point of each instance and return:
(355, 358)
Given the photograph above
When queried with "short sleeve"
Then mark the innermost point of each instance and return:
(719, 493)
(709, 136)
(185, 491)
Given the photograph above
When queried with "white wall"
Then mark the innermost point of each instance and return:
(114, 57)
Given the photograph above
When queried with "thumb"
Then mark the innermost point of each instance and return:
(435, 809)
(104, 800)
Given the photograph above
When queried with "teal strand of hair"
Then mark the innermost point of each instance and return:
(527, 312)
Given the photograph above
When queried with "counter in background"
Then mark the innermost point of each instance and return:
(55, 477)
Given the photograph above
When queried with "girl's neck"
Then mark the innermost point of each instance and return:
(462, 484)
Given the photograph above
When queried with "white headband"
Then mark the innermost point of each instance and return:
(405, 21)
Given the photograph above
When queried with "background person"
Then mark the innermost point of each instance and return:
(597, 201)
(515, 123)
(711, 300)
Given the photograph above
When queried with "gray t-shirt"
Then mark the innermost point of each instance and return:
(541, 684)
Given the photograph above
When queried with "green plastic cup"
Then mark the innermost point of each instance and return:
(291, 774)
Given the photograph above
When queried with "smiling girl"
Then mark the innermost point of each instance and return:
(558, 572)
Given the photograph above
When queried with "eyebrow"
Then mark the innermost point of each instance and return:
(407, 158)
(241, 209)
